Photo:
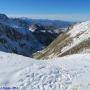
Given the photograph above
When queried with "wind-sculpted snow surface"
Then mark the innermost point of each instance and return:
(67, 73)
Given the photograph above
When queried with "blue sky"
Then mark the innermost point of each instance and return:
(48, 9)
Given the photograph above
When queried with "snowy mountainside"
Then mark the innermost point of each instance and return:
(15, 38)
(45, 31)
(45, 37)
(66, 73)
(76, 40)
(46, 34)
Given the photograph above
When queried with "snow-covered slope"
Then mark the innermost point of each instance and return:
(22, 73)
(76, 40)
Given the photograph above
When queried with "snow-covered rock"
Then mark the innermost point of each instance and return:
(66, 73)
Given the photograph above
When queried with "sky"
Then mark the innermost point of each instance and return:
(73, 10)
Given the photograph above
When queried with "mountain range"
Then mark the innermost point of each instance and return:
(16, 36)
(75, 40)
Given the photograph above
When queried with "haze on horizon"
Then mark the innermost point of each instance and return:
(71, 10)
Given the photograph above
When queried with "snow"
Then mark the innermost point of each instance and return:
(66, 73)
(79, 33)
(31, 29)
